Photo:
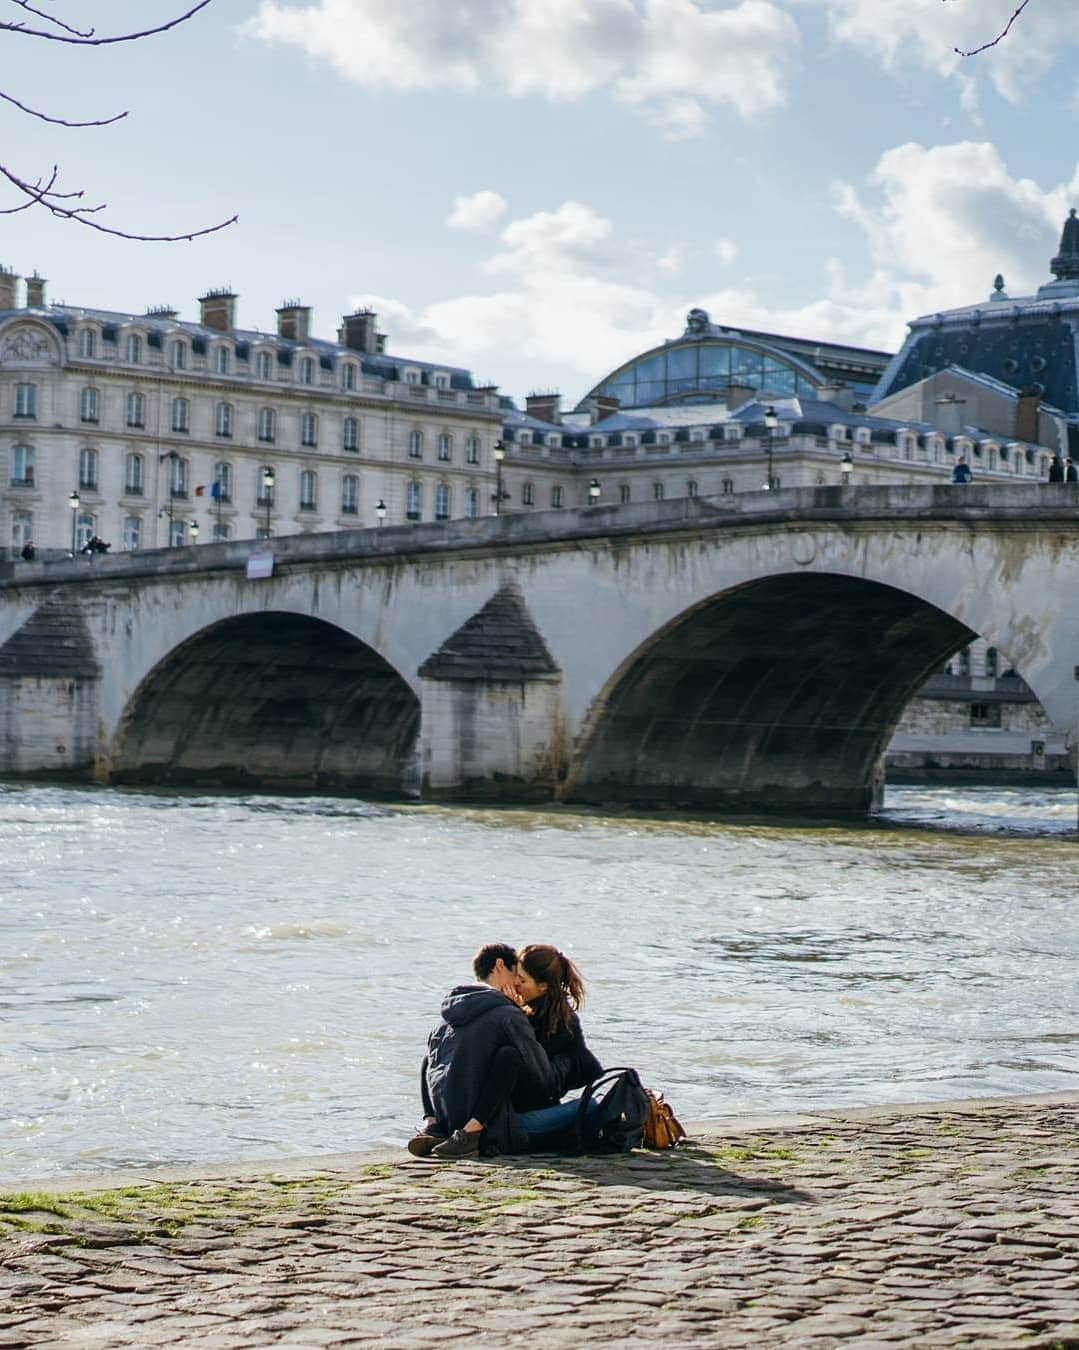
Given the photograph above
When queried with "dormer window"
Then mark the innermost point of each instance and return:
(524, 438)
(263, 366)
(441, 380)
(221, 360)
(178, 355)
(307, 370)
(554, 440)
(412, 377)
(133, 349)
(630, 440)
(664, 438)
(87, 342)
(348, 375)
(597, 442)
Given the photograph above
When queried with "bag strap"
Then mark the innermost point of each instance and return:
(606, 1078)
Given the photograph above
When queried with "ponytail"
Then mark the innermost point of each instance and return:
(565, 988)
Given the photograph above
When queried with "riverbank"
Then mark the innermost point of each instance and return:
(940, 1224)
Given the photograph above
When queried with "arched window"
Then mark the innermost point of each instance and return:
(221, 360)
(133, 475)
(348, 375)
(133, 349)
(415, 444)
(264, 365)
(691, 488)
(472, 450)
(308, 429)
(992, 662)
(556, 496)
(964, 661)
(88, 469)
(350, 434)
(267, 424)
(350, 495)
(728, 486)
(307, 370)
(442, 502)
(26, 400)
(472, 503)
(132, 533)
(22, 531)
(623, 493)
(181, 414)
(85, 529)
(178, 476)
(657, 492)
(88, 405)
(136, 405)
(87, 343)
(22, 466)
(413, 501)
(308, 490)
(178, 355)
(223, 420)
(445, 446)
(528, 494)
(221, 488)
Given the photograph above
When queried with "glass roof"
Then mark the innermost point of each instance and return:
(700, 372)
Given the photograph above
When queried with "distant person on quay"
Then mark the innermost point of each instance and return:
(29, 552)
(961, 473)
(1071, 473)
(506, 1050)
(1056, 469)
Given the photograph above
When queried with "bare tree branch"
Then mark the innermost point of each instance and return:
(51, 18)
(60, 121)
(974, 51)
(87, 39)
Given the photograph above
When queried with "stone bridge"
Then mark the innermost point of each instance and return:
(748, 652)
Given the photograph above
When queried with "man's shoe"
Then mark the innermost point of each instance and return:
(420, 1145)
(460, 1144)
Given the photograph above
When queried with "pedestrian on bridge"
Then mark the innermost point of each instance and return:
(1071, 473)
(1056, 469)
(961, 473)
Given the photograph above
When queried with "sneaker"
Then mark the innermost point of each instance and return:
(460, 1144)
(420, 1145)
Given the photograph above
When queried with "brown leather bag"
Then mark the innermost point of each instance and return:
(662, 1129)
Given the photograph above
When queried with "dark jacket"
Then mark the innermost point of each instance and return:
(574, 1063)
(1056, 470)
(476, 1021)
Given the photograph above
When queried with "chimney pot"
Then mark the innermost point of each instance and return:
(359, 331)
(217, 309)
(544, 405)
(9, 282)
(294, 321)
(35, 292)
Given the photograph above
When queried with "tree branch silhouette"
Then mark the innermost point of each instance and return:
(974, 51)
(44, 192)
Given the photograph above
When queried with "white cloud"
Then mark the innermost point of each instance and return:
(672, 61)
(481, 211)
(726, 250)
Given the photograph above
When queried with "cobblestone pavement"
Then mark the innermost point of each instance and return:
(944, 1225)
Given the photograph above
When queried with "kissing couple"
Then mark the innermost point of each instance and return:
(508, 1048)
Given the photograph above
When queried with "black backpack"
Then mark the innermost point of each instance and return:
(617, 1123)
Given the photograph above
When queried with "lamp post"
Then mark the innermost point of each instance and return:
(380, 511)
(194, 529)
(593, 492)
(268, 480)
(498, 454)
(846, 467)
(771, 421)
(73, 502)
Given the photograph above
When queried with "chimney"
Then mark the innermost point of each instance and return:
(294, 321)
(358, 331)
(1026, 414)
(602, 405)
(162, 312)
(545, 406)
(838, 392)
(739, 394)
(218, 310)
(9, 282)
(35, 292)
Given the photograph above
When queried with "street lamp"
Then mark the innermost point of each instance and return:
(194, 528)
(380, 511)
(593, 492)
(846, 467)
(73, 502)
(268, 480)
(498, 453)
(771, 421)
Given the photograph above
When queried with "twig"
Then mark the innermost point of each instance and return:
(999, 37)
(61, 121)
(87, 39)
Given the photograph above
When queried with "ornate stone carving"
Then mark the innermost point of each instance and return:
(26, 346)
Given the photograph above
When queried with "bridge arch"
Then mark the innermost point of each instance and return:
(274, 699)
(773, 694)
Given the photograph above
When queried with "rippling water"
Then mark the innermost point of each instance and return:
(218, 978)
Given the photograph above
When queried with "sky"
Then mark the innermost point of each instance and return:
(540, 189)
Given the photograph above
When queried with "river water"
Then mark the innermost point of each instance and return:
(193, 978)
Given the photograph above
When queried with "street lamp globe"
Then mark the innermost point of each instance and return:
(194, 528)
(380, 510)
(593, 491)
(498, 452)
(846, 466)
(268, 478)
(771, 418)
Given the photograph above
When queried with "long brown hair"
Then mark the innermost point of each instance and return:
(553, 1012)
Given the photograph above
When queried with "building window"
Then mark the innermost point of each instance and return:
(177, 533)
(136, 405)
(87, 344)
(267, 420)
(222, 532)
(985, 714)
(472, 450)
(728, 486)
(221, 360)
(412, 377)
(528, 494)
(308, 429)
(472, 503)
(264, 366)
(415, 445)
(178, 476)
(223, 420)
(26, 400)
(307, 370)
(992, 662)
(262, 532)
(657, 492)
(133, 475)
(132, 533)
(85, 529)
(442, 502)
(88, 469)
(221, 488)
(445, 446)
(348, 375)
(22, 531)
(308, 490)
(442, 381)
(22, 466)
(964, 661)
(178, 355)
(691, 488)
(88, 405)
(556, 496)
(133, 349)
(350, 434)
(623, 493)
(413, 501)
(181, 414)
(350, 495)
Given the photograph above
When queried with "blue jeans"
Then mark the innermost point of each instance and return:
(548, 1121)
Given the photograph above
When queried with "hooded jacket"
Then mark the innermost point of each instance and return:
(476, 1021)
